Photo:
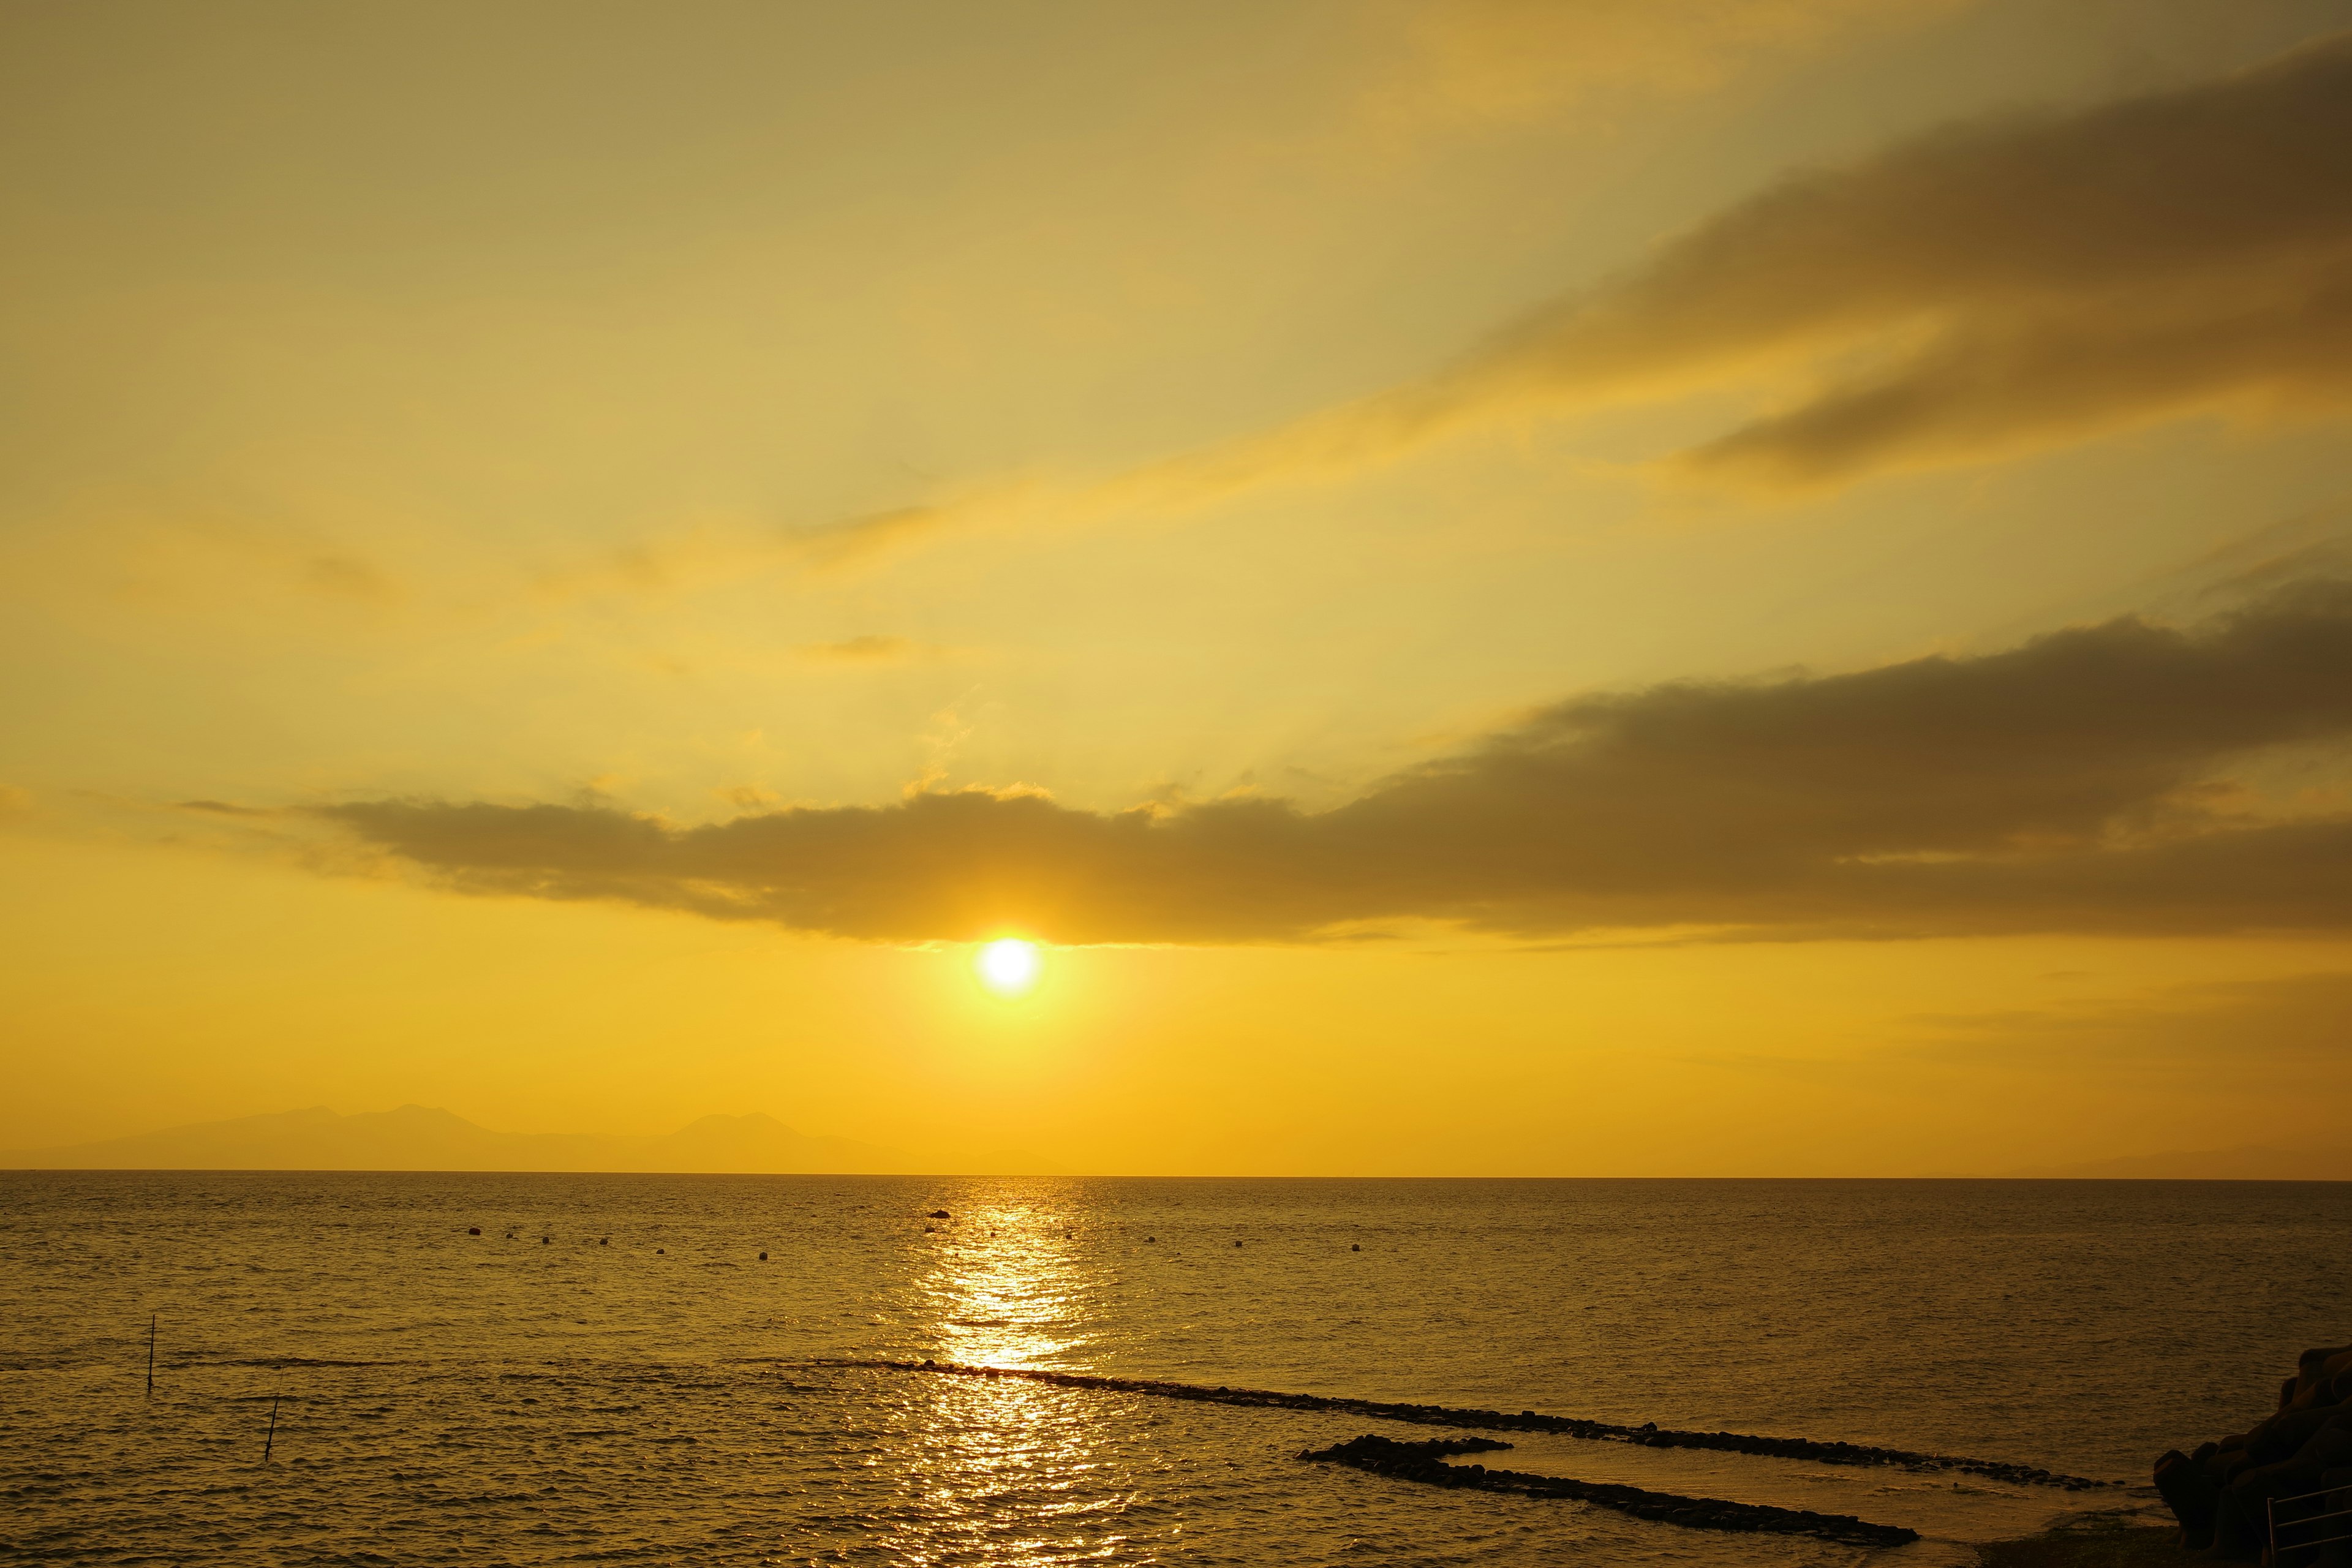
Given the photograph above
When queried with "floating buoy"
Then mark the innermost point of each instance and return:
(603, 1241)
(939, 1214)
(547, 1241)
(1237, 1243)
(473, 1231)
(764, 1257)
(659, 1250)
(1151, 1238)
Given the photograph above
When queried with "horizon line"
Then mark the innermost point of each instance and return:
(1104, 1175)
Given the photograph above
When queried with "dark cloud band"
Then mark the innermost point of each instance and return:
(2078, 783)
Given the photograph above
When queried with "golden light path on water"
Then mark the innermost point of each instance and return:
(1009, 1287)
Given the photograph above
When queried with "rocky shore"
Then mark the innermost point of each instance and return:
(2120, 1540)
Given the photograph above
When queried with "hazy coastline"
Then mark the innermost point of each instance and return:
(427, 1138)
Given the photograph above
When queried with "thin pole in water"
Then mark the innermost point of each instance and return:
(150, 1355)
(272, 1439)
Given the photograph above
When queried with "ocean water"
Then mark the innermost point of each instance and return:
(609, 1372)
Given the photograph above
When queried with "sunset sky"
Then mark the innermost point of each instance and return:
(1505, 587)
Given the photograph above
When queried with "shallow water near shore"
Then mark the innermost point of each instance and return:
(610, 1373)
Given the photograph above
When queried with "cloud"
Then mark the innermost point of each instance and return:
(1507, 60)
(2255, 1062)
(872, 648)
(347, 577)
(2079, 782)
(1994, 287)
(2059, 374)
(854, 539)
(2295, 1025)
(228, 808)
(2019, 282)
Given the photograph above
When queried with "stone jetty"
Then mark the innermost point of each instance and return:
(1425, 1462)
(1648, 1435)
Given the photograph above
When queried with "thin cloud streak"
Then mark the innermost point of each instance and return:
(1991, 288)
(2076, 784)
(2021, 282)
(1483, 61)
(874, 649)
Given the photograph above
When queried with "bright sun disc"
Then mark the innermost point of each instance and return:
(1008, 967)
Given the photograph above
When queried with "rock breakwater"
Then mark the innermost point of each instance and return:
(1425, 1462)
(1649, 1435)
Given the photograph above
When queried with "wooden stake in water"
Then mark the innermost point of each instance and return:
(150, 1355)
(272, 1439)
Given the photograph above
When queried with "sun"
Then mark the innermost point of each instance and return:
(1008, 967)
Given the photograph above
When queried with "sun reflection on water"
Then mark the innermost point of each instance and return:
(1015, 1466)
(1009, 1286)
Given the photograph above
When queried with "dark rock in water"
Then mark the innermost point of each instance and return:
(1355, 1246)
(939, 1214)
(764, 1257)
(547, 1241)
(473, 1231)
(1390, 1447)
(603, 1241)
(1425, 1462)
(658, 1251)
(1237, 1243)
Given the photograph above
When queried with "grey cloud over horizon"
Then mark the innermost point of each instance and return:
(2080, 782)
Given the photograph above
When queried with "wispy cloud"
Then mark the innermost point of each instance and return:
(347, 577)
(853, 539)
(2007, 284)
(1994, 287)
(1472, 62)
(874, 649)
(2294, 1026)
(2079, 782)
(229, 808)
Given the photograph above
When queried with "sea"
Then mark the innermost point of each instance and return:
(434, 1369)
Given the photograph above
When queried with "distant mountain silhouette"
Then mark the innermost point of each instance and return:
(2248, 1162)
(422, 1138)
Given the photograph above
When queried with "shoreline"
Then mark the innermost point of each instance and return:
(2108, 1538)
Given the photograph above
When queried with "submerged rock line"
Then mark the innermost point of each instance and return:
(1425, 1462)
(1649, 1435)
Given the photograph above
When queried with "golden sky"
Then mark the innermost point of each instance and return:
(1507, 587)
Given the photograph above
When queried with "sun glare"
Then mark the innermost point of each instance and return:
(1008, 967)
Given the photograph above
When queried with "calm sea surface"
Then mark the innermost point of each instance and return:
(540, 1394)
